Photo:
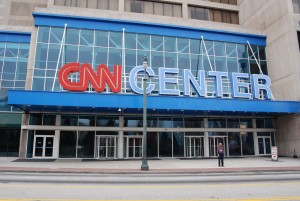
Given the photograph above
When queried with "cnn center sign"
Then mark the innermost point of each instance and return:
(113, 80)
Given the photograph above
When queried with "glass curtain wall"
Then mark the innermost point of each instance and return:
(13, 70)
(105, 47)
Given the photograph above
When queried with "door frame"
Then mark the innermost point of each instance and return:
(225, 144)
(264, 144)
(201, 138)
(127, 146)
(106, 147)
(44, 146)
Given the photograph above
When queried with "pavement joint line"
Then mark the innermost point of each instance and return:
(206, 199)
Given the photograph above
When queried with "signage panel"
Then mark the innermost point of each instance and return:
(167, 77)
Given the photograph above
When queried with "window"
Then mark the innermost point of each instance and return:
(296, 6)
(156, 8)
(298, 36)
(96, 4)
(215, 15)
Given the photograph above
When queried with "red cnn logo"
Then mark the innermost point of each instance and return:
(87, 74)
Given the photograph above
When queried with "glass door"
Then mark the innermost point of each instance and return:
(264, 145)
(194, 146)
(43, 146)
(134, 147)
(106, 147)
(213, 144)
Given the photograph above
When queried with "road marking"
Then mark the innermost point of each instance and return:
(295, 198)
(159, 186)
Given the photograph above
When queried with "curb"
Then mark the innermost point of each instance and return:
(151, 171)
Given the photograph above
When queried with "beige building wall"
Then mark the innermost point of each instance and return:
(19, 12)
(276, 19)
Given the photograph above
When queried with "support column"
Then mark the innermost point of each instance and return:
(23, 136)
(121, 138)
(185, 10)
(256, 150)
(56, 137)
(206, 141)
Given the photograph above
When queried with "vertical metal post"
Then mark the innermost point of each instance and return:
(144, 158)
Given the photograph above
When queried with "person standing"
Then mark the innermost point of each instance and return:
(220, 151)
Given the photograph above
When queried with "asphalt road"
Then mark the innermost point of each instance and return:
(210, 186)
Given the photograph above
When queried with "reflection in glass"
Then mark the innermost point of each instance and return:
(165, 144)
(152, 142)
(247, 144)
(234, 144)
(86, 141)
(67, 144)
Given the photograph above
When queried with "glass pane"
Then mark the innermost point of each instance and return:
(115, 39)
(12, 50)
(107, 121)
(152, 144)
(49, 147)
(130, 41)
(43, 34)
(165, 144)
(170, 44)
(219, 48)
(231, 50)
(242, 51)
(71, 53)
(23, 50)
(234, 144)
(69, 120)
(268, 145)
(35, 119)
(184, 61)
(243, 65)
(157, 43)
(195, 46)
(168, 9)
(86, 141)
(72, 36)
(100, 56)
(2, 48)
(86, 37)
(261, 145)
(247, 143)
(67, 144)
(220, 64)
(86, 121)
(178, 145)
(170, 60)
(85, 55)
(49, 119)
(232, 65)
(56, 34)
(216, 123)
(101, 38)
(143, 42)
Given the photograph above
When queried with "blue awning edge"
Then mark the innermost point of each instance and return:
(46, 101)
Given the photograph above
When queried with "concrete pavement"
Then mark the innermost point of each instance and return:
(165, 165)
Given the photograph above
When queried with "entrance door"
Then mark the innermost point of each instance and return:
(194, 146)
(106, 147)
(43, 146)
(264, 145)
(134, 147)
(213, 144)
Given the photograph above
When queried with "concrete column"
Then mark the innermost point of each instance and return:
(56, 138)
(121, 5)
(23, 137)
(121, 138)
(256, 150)
(206, 141)
(185, 10)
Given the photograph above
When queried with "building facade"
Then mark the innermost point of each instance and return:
(72, 83)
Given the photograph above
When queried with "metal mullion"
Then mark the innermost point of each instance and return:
(4, 56)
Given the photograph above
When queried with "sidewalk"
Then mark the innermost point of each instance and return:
(174, 165)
